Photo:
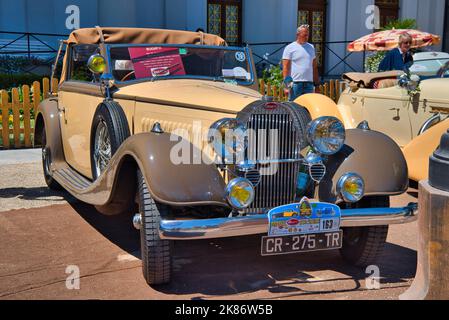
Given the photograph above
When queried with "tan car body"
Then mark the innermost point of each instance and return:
(179, 104)
(395, 113)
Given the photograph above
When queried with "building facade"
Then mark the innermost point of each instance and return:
(260, 23)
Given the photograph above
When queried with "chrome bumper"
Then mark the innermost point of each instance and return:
(258, 224)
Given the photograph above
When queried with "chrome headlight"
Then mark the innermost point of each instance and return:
(228, 138)
(240, 193)
(351, 187)
(326, 135)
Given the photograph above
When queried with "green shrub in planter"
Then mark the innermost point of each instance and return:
(372, 62)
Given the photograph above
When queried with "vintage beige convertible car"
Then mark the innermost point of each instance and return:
(389, 102)
(169, 125)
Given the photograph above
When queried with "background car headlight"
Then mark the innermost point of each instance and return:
(228, 138)
(326, 135)
(351, 187)
(240, 193)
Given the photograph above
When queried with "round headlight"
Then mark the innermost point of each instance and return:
(240, 193)
(351, 187)
(228, 138)
(327, 135)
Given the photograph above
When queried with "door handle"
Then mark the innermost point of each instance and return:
(61, 109)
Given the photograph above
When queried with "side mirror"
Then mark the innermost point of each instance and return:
(97, 64)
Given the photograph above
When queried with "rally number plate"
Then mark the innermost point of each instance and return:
(272, 246)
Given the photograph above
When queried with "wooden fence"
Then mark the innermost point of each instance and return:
(17, 108)
(332, 89)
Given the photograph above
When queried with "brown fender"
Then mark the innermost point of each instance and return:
(372, 155)
(47, 114)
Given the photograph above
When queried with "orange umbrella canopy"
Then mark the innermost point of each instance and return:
(389, 39)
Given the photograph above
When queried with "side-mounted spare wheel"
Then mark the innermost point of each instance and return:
(109, 130)
(363, 246)
(156, 253)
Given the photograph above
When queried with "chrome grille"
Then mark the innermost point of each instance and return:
(277, 185)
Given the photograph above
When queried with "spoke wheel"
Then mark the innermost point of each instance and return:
(102, 148)
(109, 130)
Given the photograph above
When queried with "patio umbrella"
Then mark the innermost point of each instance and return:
(389, 39)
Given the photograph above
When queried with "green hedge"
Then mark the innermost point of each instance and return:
(8, 81)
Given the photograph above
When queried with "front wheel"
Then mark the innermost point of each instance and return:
(363, 246)
(156, 253)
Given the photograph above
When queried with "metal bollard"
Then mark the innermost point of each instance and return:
(432, 275)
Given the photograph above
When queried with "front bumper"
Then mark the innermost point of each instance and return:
(258, 224)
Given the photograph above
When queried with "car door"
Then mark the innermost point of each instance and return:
(79, 97)
(387, 111)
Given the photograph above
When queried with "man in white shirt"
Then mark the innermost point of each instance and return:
(300, 68)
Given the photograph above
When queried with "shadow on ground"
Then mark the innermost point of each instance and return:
(234, 266)
(35, 194)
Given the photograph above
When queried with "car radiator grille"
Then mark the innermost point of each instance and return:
(277, 185)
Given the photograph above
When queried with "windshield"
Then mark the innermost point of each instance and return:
(429, 67)
(154, 62)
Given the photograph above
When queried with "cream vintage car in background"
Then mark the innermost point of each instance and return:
(412, 112)
(124, 133)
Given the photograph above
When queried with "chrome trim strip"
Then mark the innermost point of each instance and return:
(258, 224)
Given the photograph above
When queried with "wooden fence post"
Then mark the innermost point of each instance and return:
(36, 97)
(54, 85)
(269, 93)
(262, 87)
(5, 117)
(16, 116)
(45, 88)
(27, 115)
(337, 90)
(332, 89)
(275, 93)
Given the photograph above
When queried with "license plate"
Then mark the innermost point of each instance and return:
(304, 218)
(272, 246)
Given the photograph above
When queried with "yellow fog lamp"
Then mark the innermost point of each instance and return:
(240, 193)
(351, 187)
(97, 64)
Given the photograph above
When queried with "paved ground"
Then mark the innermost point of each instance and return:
(37, 245)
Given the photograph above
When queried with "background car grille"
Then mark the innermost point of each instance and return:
(277, 185)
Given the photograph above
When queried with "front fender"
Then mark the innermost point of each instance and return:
(319, 105)
(419, 150)
(176, 185)
(372, 155)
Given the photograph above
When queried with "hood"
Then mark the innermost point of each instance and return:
(217, 96)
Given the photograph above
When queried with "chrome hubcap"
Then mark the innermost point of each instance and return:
(102, 148)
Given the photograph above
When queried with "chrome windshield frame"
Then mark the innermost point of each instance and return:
(108, 48)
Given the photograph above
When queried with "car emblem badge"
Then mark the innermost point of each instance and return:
(271, 106)
(305, 209)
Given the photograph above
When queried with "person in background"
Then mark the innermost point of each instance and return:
(400, 58)
(300, 68)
